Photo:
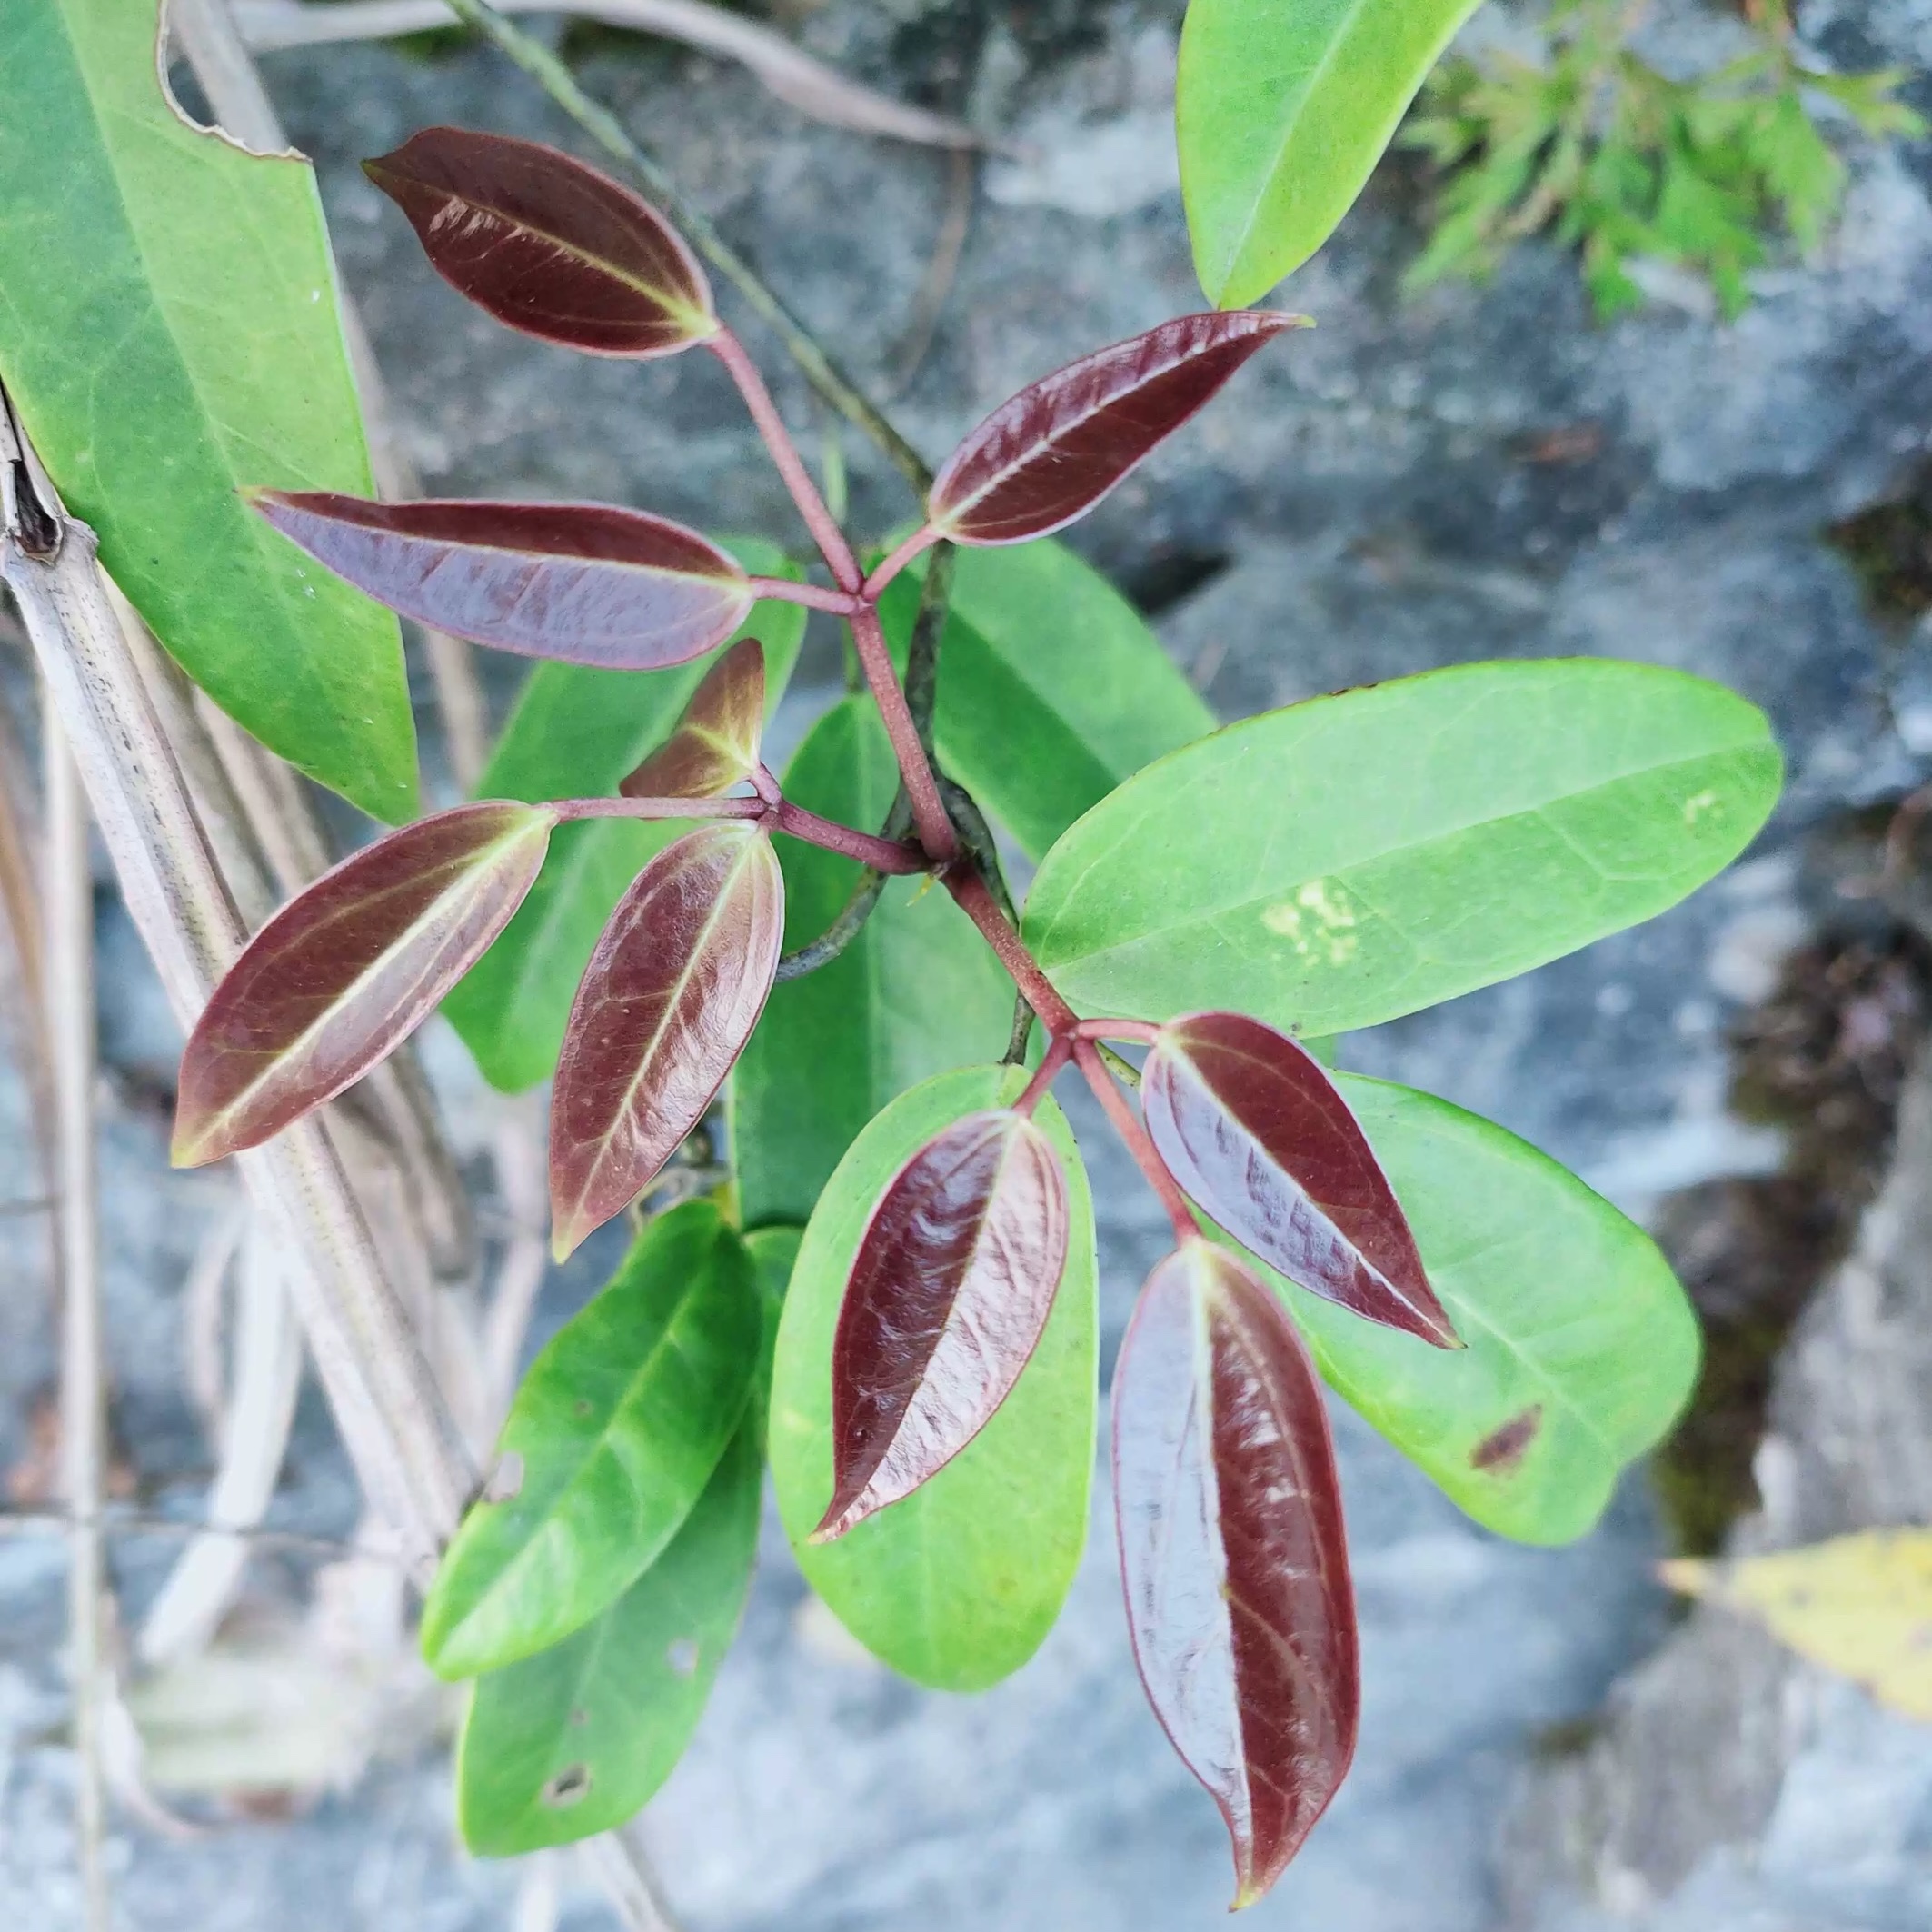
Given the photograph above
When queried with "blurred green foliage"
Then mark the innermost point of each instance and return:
(1598, 149)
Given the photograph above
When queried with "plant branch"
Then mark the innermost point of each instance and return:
(970, 891)
(929, 630)
(386, 1404)
(815, 597)
(570, 809)
(604, 127)
(921, 541)
(840, 934)
(915, 768)
(826, 534)
(888, 857)
(1128, 1125)
(69, 899)
(791, 73)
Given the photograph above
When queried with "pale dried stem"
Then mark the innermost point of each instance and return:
(203, 1583)
(69, 900)
(386, 1403)
(26, 997)
(203, 1298)
(786, 68)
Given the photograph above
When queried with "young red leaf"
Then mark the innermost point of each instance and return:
(547, 245)
(1232, 1554)
(1057, 448)
(342, 975)
(715, 744)
(666, 1004)
(1252, 1126)
(590, 583)
(953, 1283)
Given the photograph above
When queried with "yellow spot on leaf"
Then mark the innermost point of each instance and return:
(1318, 921)
(1858, 1605)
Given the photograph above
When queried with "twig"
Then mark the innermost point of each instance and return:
(202, 1299)
(949, 247)
(386, 1401)
(20, 907)
(69, 898)
(267, 1373)
(604, 127)
(840, 934)
(786, 69)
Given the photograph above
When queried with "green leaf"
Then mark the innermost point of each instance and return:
(576, 1739)
(1581, 1347)
(1349, 859)
(1283, 108)
(578, 732)
(957, 1584)
(169, 331)
(613, 1437)
(916, 992)
(1052, 687)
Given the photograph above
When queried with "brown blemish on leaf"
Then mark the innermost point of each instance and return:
(1503, 1449)
(683, 1655)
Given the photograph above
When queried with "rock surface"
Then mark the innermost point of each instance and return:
(1480, 473)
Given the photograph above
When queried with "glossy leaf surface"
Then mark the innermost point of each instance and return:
(917, 992)
(1040, 732)
(170, 331)
(585, 584)
(1282, 112)
(1258, 1134)
(575, 731)
(548, 245)
(956, 1586)
(714, 745)
(577, 1739)
(1582, 1348)
(343, 974)
(1232, 1554)
(952, 1284)
(1057, 448)
(616, 1431)
(1356, 858)
(669, 999)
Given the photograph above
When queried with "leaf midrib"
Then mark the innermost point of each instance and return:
(1438, 836)
(1310, 80)
(433, 913)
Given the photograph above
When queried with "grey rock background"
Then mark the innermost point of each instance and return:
(1480, 473)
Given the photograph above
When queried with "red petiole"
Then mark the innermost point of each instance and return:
(1069, 1037)
(785, 458)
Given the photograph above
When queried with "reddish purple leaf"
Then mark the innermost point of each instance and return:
(1254, 1129)
(953, 1283)
(586, 582)
(669, 999)
(547, 245)
(715, 743)
(1054, 452)
(342, 975)
(1232, 1554)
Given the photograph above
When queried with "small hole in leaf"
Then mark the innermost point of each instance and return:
(505, 1479)
(570, 1787)
(683, 1655)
